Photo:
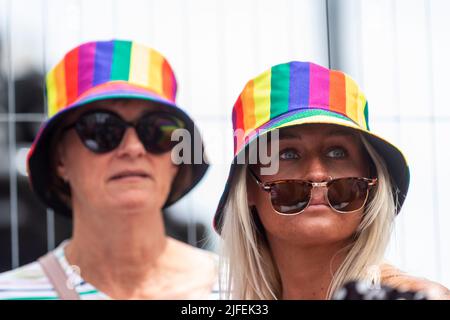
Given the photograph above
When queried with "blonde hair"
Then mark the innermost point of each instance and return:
(248, 269)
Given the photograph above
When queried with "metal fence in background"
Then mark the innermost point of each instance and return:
(396, 49)
(213, 46)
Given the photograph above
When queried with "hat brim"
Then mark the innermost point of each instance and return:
(395, 160)
(39, 157)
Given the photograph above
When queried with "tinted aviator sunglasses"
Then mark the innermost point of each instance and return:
(291, 197)
(101, 131)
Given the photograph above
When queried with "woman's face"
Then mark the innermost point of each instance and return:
(128, 177)
(312, 152)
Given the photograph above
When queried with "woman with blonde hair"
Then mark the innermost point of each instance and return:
(320, 213)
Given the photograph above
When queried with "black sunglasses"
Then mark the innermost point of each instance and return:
(344, 195)
(101, 131)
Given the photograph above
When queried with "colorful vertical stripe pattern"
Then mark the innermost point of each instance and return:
(93, 66)
(296, 87)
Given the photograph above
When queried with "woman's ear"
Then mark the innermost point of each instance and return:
(61, 169)
(175, 171)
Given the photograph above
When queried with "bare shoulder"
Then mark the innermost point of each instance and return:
(200, 266)
(192, 253)
(194, 259)
(396, 278)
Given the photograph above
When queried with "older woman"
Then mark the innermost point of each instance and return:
(104, 157)
(324, 215)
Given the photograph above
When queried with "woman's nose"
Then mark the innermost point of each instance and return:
(316, 170)
(131, 144)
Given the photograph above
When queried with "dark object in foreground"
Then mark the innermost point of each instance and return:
(359, 290)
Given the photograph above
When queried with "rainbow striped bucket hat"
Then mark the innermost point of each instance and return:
(297, 93)
(102, 70)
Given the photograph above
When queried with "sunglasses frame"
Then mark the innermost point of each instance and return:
(267, 186)
(134, 124)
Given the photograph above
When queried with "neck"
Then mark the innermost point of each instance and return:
(306, 271)
(117, 251)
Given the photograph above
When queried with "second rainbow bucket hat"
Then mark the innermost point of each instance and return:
(102, 70)
(297, 93)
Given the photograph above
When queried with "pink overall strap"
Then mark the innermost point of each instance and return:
(58, 278)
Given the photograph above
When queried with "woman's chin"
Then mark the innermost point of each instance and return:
(132, 201)
(316, 225)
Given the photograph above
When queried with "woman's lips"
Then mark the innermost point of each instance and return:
(317, 207)
(129, 178)
(130, 175)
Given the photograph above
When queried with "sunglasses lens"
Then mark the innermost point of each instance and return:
(348, 194)
(290, 197)
(155, 131)
(100, 132)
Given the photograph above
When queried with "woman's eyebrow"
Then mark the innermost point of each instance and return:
(342, 133)
(289, 135)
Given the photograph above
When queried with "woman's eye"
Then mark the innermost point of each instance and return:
(289, 154)
(337, 152)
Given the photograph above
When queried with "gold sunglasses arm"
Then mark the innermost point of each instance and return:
(261, 184)
(372, 182)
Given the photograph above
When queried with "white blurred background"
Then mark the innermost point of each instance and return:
(397, 50)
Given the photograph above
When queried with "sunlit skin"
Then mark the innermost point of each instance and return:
(119, 239)
(304, 244)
